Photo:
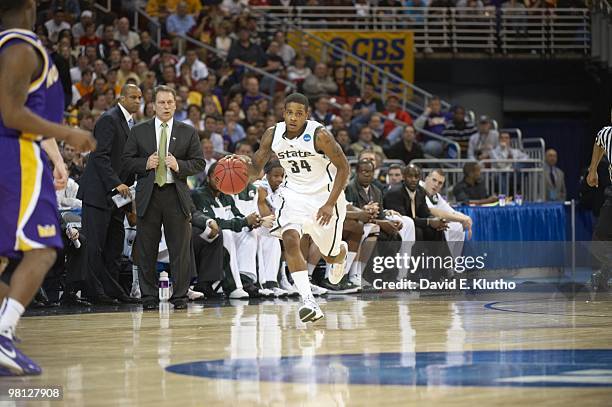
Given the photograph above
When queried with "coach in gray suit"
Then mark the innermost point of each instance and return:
(163, 153)
(554, 178)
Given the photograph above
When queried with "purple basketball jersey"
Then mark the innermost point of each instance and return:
(28, 206)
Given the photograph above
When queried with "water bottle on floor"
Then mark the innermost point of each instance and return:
(164, 286)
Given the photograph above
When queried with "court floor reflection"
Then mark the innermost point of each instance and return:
(369, 349)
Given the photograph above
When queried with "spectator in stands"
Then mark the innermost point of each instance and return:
(146, 48)
(434, 121)
(251, 94)
(347, 88)
(321, 111)
(244, 51)
(232, 131)
(66, 197)
(99, 104)
(199, 70)
(460, 128)
(394, 112)
(274, 66)
(407, 149)
(223, 41)
(369, 100)
(304, 51)
(184, 79)
(375, 123)
(286, 51)
(108, 43)
(394, 175)
(78, 29)
(366, 142)
(126, 72)
(298, 72)
(554, 178)
(124, 35)
(194, 117)
(56, 24)
(472, 189)
(73, 162)
(342, 137)
(89, 37)
(198, 180)
(336, 125)
(233, 7)
(181, 109)
(181, 22)
(319, 83)
(504, 151)
(210, 124)
(169, 75)
(84, 87)
(157, 7)
(482, 143)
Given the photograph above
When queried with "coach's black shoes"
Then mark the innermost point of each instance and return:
(310, 311)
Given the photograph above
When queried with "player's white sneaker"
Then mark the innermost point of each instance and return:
(266, 292)
(289, 288)
(194, 295)
(239, 293)
(279, 292)
(310, 311)
(337, 269)
(316, 290)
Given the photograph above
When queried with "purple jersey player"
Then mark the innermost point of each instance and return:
(31, 104)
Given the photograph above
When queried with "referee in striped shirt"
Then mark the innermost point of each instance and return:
(603, 229)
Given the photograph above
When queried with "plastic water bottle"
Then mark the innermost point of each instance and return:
(164, 286)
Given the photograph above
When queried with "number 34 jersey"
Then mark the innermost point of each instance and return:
(306, 170)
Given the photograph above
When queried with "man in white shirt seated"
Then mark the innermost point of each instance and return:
(439, 207)
(504, 151)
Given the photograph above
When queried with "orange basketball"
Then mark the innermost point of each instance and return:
(231, 176)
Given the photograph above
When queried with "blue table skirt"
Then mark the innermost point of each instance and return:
(534, 235)
(530, 222)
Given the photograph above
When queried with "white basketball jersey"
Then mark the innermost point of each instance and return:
(306, 170)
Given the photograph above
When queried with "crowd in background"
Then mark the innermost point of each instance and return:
(230, 106)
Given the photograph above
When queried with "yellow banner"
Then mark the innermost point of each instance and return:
(391, 51)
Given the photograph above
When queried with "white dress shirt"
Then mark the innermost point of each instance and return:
(158, 129)
(126, 114)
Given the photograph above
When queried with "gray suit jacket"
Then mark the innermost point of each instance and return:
(184, 145)
(555, 192)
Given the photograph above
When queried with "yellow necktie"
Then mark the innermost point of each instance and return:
(161, 174)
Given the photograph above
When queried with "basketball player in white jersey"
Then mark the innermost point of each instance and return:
(313, 194)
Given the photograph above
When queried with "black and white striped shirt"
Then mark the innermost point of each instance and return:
(604, 140)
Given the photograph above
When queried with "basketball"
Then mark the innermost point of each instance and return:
(231, 176)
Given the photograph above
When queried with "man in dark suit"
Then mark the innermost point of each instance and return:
(102, 220)
(408, 198)
(163, 152)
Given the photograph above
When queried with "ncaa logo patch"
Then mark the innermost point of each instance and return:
(307, 137)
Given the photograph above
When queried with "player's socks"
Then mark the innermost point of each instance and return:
(355, 273)
(10, 312)
(311, 269)
(350, 258)
(302, 283)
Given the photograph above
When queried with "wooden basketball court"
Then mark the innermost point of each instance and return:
(371, 349)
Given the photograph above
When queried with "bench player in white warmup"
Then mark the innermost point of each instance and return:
(313, 200)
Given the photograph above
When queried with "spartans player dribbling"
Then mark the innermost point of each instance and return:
(313, 200)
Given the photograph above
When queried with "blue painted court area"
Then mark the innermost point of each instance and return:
(525, 368)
